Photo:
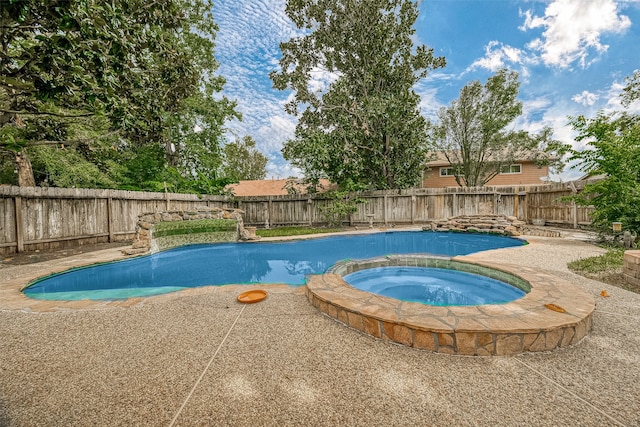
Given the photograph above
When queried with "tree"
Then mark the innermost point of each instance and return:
(365, 125)
(613, 151)
(34, 74)
(133, 62)
(242, 161)
(631, 92)
(472, 132)
(195, 135)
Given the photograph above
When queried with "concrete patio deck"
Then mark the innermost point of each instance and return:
(198, 357)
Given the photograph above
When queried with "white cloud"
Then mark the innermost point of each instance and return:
(573, 29)
(275, 131)
(321, 80)
(496, 55)
(247, 50)
(532, 108)
(545, 112)
(585, 98)
(278, 170)
(429, 104)
(499, 55)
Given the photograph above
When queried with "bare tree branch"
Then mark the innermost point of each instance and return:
(44, 113)
(73, 141)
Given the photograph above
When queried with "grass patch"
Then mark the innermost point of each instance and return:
(165, 229)
(606, 268)
(294, 231)
(609, 262)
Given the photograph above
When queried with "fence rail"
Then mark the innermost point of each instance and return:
(39, 218)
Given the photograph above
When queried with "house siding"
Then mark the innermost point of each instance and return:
(531, 175)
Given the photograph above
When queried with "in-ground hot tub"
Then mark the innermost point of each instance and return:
(434, 286)
(527, 324)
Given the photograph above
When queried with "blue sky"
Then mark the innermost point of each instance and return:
(572, 56)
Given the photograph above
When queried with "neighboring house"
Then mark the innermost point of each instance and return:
(521, 172)
(275, 187)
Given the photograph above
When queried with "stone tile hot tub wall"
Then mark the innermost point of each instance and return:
(631, 268)
(524, 325)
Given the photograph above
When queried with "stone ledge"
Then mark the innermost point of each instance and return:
(498, 224)
(524, 325)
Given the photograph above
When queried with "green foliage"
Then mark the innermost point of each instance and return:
(364, 125)
(614, 151)
(242, 161)
(610, 261)
(343, 203)
(294, 231)
(631, 91)
(7, 171)
(473, 136)
(196, 133)
(67, 168)
(164, 229)
(73, 74)
(143, 168)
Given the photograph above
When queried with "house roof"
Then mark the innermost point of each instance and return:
(441, 160)
(274, 187)
(592, 175)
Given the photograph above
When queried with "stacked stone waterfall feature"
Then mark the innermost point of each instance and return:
(498, 224)
(163, 230)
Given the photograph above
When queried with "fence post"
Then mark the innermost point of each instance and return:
(19, 230)
(110, 220)
(384, 209)
(413, 207)
(166, 195)
(454, 205)
(574, 209)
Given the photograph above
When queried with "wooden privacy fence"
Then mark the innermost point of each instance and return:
(38, 218)
(420, 205)
(34, 218)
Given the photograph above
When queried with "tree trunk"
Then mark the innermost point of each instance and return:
(25, 172)
(386, 167)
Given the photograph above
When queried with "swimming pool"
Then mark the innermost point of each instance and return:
(287, 262)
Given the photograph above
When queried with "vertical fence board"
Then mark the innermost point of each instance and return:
(7, 221)
(19, 224)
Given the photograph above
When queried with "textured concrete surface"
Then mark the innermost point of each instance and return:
(200, 358)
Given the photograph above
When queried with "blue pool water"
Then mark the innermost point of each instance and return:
(433, 286)
(238, 263)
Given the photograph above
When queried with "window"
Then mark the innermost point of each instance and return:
(510, 169)
(446, 172)
(449, 172)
